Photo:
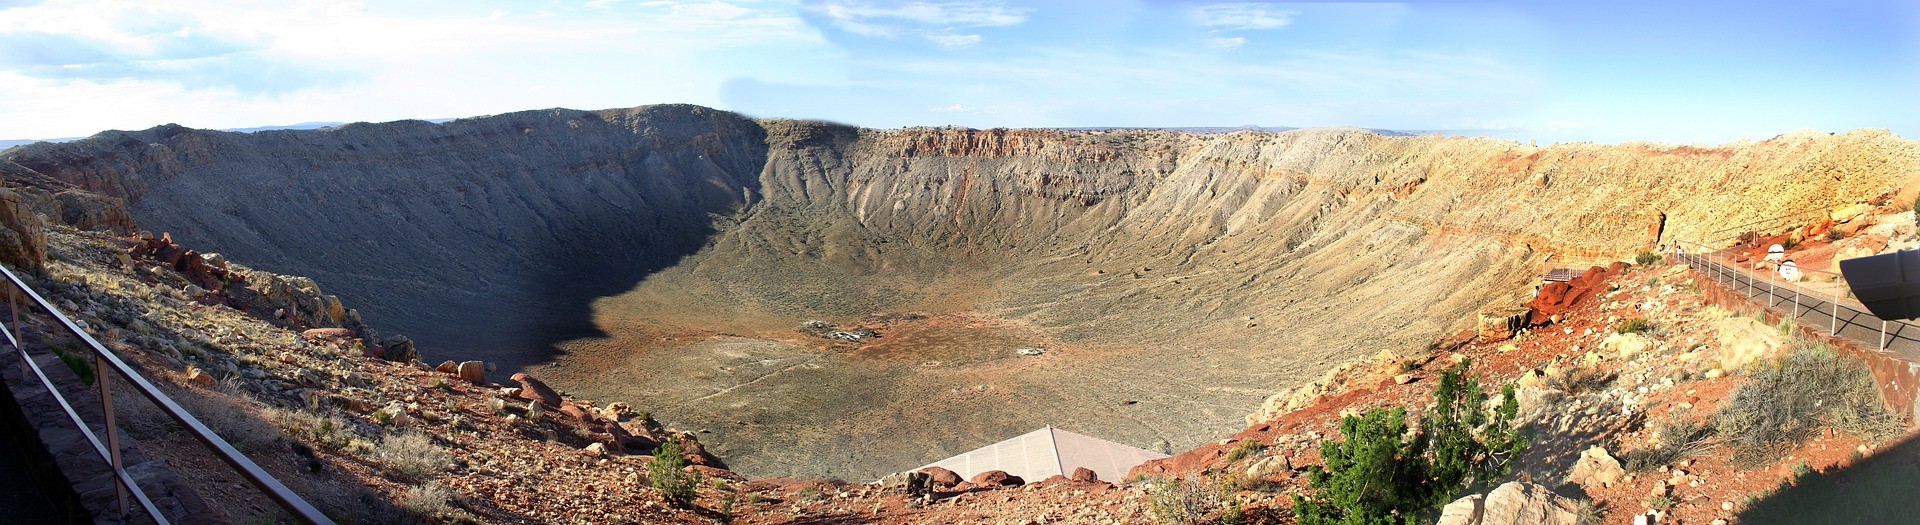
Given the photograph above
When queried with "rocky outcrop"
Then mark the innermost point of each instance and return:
(1555, 298)
(23, 235)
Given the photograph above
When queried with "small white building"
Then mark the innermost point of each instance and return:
(1043, 453)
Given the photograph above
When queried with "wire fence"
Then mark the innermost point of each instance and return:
(1843, 316)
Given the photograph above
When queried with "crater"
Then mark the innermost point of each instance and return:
(671, 256)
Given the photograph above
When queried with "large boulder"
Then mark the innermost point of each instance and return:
(534, 390)
(941, 477)
(1513, 503)
(1085, 475)
(473, 372)
(1522, 503)
(1596, 469)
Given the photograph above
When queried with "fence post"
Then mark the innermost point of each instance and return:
(1770, 290)
(1833, 325)
(101, 377)
(1883, 335)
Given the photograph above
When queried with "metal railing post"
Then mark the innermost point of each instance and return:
(113, 435)
(1833, 325)
(1770, 290)
(1883, 335)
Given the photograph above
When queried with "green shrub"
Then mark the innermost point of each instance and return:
(1646, 258)
(1790, 243)
(79, 363)
(1835, 235)
(1792, 398)
(1380, 475)
(667, 473)
(1633, 326)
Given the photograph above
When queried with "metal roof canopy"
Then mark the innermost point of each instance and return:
(1561, 275)
(1049, 451)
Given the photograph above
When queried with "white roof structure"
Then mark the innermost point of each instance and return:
(1042, 453)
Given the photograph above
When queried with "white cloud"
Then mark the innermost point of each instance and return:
(1243, 16)
(956, 108)
(953, 40)
(1227, 43)
(79, 66)
(931, 20)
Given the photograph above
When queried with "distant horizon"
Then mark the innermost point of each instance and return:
(1475, 133)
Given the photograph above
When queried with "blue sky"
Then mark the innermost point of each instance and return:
(1549, 70)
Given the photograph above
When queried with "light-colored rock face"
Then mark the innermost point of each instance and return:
(1174, 279)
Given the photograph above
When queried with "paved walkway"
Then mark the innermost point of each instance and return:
(1844, 317)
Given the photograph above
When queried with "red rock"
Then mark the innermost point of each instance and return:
(998, 477)
(578, 413)
(1085, 475)
(1055, 479)
(1555, 298)
(446, 367)
(473, 372)
(533, 390)
(941, 477)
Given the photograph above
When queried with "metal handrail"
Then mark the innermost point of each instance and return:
(104, 361)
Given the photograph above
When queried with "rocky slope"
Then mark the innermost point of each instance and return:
(1175, 280)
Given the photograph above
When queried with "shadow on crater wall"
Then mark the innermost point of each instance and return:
(485, 238)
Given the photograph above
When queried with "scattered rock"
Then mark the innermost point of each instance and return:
(596, 448)
(1596, 468)
(447, 367)
(1401, 379)
(1030, 351)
